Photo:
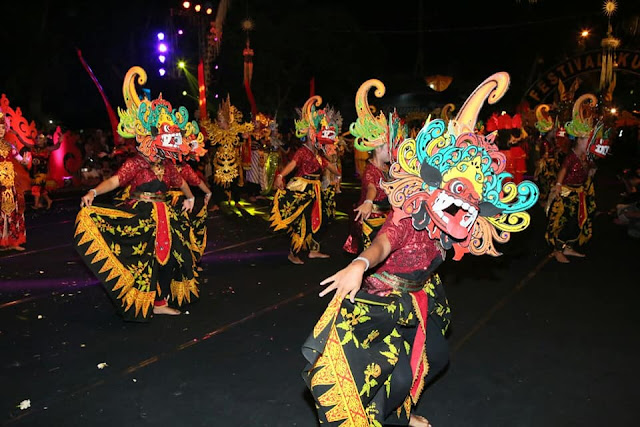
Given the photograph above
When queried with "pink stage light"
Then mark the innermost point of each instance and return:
(162, 58)
(161, 36)
(180, 32)
(162, 72)
(162, 47)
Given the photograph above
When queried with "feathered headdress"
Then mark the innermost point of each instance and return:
(544, 122)
(450, 181)
(159, 130)
(581, 124)
(372, 131)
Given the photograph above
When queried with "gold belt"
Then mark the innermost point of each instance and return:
(399, 283)
(147, 196)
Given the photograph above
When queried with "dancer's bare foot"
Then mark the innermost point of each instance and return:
(560, 257)
(17, 248)
(165, 309)
(214, 208)
(572, 252)
(295, 259)
(418, 421)
(316, 254)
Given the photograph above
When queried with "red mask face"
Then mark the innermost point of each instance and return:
(454, 208)
(600, 148)
(327, 135)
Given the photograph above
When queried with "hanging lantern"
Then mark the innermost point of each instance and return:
(609, 46)
(438, 82)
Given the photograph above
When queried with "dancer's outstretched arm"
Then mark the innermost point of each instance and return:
(348, 280)
(105, 186)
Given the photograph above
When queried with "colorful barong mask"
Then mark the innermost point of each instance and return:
(599, 142)
(372, 131)
(449, 180)
(159, 130)
(320, 126)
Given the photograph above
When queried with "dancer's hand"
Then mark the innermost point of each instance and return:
(207, 198)
(87, 199)
(279, 182)
(345, 282)
(363, 211)
(187, 205)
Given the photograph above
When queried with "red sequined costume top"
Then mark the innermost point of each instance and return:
(372, 175)
(137, 171)
(577, 173)
(189, 175)
(308, 163)
(413, 255)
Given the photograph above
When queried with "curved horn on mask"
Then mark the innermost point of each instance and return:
(446, 111)
(306, 108)
(129, 86)
(490, 90)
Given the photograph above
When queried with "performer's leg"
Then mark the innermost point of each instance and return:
(294, 255)
(314, 248)
(569, 235)
(161, 305)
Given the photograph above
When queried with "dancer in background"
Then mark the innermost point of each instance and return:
(40, 153)
(13, 232)
(378, 137)
(225, 135)
(571, 203)
(372, 351)
(142, 249)
(302, 207)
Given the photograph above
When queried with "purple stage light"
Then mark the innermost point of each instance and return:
(162, 72)
(160, 36)
(216, 67)
(180, 32)
(162, 47)
(162, 58)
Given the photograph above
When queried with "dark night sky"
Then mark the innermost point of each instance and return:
(341, 43)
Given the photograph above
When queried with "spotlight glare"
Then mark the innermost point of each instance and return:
(216, 67)
(162, 58)
(162, 47)
(162, 72)
(209, 11)
(50, 122)
(614, 110)
(180, 32)
(184, 93)
(186, 4)
(216, 95)
(198, 7)
(584, 33)
(181, 64)
(160, 36)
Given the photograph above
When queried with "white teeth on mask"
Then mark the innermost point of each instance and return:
(444, 200)
(468, 220)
